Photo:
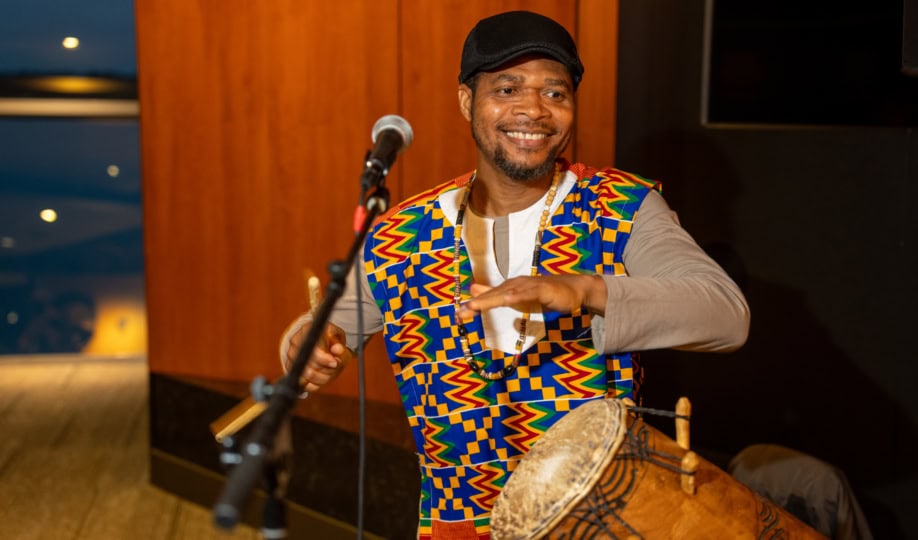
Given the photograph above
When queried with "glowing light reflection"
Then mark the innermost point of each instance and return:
(48, 215)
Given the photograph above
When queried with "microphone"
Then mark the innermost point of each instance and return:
(391, 135)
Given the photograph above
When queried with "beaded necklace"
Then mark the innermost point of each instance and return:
(474, 364)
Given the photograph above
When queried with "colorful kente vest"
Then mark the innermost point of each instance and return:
(470, 433)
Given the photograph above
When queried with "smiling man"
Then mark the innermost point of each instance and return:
(519, 291)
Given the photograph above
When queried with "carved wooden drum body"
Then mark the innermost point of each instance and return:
(601, 472)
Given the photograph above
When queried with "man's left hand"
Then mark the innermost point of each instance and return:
(566, 294)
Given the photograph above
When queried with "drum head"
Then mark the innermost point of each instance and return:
(559, 470)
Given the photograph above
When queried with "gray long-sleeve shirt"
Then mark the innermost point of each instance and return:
(674, 296)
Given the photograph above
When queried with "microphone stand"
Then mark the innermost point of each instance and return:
(253, 462)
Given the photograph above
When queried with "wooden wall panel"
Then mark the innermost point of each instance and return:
(597, 42)
(254, 120)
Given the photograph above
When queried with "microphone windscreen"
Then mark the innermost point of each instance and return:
(399, 124)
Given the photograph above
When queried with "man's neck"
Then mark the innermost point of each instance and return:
(495, 194)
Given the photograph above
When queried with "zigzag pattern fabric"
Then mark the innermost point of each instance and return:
(470, 433)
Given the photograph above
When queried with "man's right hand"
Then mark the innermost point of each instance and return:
(328, 358)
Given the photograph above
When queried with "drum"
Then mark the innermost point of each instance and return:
(601, 472)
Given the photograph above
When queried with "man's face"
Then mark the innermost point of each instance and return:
(521, 116)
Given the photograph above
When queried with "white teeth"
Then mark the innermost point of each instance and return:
(527, 136)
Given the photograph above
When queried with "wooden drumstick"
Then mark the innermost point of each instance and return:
(249, 409)
(683, 413)
(690, 463)
(237, 418)
(314, 289)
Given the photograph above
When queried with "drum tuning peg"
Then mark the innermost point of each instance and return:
(683, 414)
(689, 466)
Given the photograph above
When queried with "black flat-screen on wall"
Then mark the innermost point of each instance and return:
(809, 62)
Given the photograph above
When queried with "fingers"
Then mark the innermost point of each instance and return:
(528, 294)
(321, 368)
(520, 293)
(328, 357)
(485, 298)
(335, 336)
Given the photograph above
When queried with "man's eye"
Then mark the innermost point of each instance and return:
(506, 91)
(554, 94)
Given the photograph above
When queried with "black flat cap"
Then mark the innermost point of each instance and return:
(496, 40)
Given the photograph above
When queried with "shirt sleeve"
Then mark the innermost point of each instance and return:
(344, 315)
(673, 296)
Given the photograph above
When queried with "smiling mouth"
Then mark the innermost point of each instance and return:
(526, 136)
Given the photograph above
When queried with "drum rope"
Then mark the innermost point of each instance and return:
(668, 465)
(592, 519)
(640, 449)
(658, 412)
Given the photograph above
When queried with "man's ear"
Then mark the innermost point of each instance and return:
(465, 101)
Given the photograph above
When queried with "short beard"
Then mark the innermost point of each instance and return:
(520, 173)
(515, 171)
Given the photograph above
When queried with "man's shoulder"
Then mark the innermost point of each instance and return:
(612, 192)
(425, 199)
(593, 176)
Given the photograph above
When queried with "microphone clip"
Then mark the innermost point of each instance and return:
(373, 192)
(374, 172)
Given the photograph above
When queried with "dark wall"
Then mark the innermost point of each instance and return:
(818, 226)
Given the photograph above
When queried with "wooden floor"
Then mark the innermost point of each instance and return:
(74, 456)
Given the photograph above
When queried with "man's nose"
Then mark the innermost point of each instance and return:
(531, 104)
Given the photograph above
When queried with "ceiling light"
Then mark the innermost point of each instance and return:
(70, 42)
(73, 84)
(48, 215)
(12, 317)
(113, 171)
(7, 242)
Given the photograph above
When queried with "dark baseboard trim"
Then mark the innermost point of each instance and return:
(203, 487)
(323, 473)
